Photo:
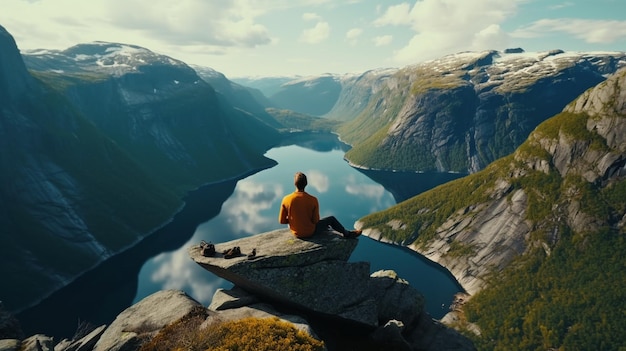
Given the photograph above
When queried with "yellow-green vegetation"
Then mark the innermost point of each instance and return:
(570, 300)
(424, 213)
(569, 297)
(427, 79)
(249, 334)
(458, 249)
(574, 126)
(61, 81)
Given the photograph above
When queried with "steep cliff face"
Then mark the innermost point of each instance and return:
(14, 79)
(357, 91)
(461, 112)
(69, 196)
(247, 99)
(97, 147)
(309, 95)
(566, 177)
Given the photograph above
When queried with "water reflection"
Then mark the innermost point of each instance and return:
(236, 209)
(100, 295)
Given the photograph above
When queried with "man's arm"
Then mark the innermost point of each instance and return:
(283, 215)
(316, 211)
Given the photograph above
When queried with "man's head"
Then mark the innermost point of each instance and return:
(300, 181)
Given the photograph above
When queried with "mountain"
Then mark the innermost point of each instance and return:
(538, 236)
(245, 98)
(98, 144)
(159, 111)
(314, 95)
(268, 86)
(461, 112)
(357, 91)
(69, 196)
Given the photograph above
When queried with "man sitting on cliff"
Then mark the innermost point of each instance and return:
(301, 211)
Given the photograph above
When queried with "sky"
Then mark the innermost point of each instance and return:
(258, 38)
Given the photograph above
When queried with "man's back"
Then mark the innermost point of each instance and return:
(301, 211)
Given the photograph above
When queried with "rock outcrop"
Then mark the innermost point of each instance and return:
(313, 276)
(306, 283)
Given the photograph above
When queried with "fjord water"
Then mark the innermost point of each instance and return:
(236, 209)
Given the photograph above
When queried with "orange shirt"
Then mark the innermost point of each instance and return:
(301, 211)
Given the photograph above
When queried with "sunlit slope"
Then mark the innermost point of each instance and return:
(461, 112)
(538, 236)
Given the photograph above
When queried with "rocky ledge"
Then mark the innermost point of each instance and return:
(313, 278)
(308, 283)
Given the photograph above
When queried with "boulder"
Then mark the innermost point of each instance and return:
(395, 298)
(86, 343)
(312, 274)
(37, 342)
(9, 345)
(248, 306)
(144, 319)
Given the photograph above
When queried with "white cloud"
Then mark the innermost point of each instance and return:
(318, 180)
(317, 34)
(382, 40)
(447, 26)
(310, 16)
(354, 33)
(371, 193)
(223, 23)
(561, 5)
(245, 207)
(395, 15)
(591, 31)
(176, 271)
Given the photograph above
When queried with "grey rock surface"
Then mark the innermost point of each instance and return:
(37, 342)
(9, 344)
(86, 343)
(310, 273)
(395, 298)
(146, 317)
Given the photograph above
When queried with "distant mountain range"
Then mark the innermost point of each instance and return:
(454, 114)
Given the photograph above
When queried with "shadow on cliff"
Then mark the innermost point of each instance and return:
(100, 295)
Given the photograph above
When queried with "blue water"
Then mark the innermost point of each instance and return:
(239, 208)
(253, 208)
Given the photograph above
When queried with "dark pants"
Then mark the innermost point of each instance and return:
(329, 221)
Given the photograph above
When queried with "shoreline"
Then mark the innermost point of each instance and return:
(141, 238)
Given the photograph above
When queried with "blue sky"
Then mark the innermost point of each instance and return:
(311, 37)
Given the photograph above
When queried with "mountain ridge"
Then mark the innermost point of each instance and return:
(562, 190)
(498, 99)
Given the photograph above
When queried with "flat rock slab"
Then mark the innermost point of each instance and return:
(310, 273)
(280, 248)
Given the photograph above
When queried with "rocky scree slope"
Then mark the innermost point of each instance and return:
(461, 112)
(561, 179)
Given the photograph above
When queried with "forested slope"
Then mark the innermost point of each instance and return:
(537, 237)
